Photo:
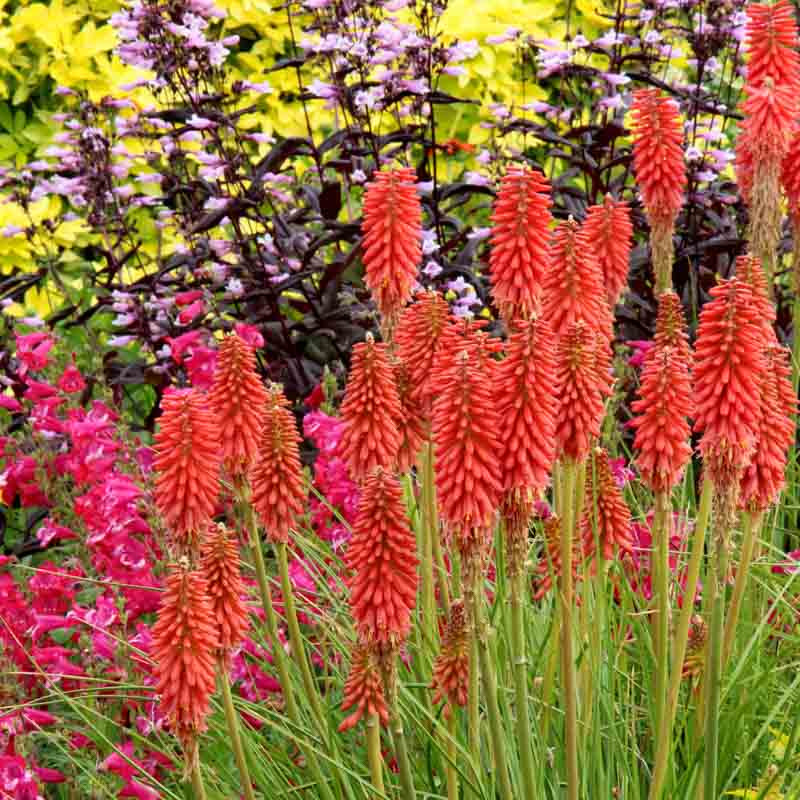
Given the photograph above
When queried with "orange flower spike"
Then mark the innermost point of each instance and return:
(658, 155)
(580, 391)
(606, 517)
(186, 465)
(771, 41)
(466, 434)
(364, 688)
(662, 421)
(370, 411)
(392, 230)
(221, 567)
(728, 371)
(451, 668)
(277, 479)
(520, 233)
(411, 424)
(382, 554)
(609, 233)
(421, 330)
(573, 285)
(671, 326)
(548, 570)
(237, 399)
(790, 179)
(750, 271)
(183, 648)
(764, 477)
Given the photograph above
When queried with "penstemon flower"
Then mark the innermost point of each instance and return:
(186, 465)
(237, 399)
(392, 249)
(520, 234)
(609, 235)
(277, 478)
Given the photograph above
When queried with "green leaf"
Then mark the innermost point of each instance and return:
(6, 120)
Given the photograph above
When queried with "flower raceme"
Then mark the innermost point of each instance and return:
(451, 668)
(548, 570)
(237, 398)
(363, 688)
(382, 555)
(412, 424)
(609, 235)
(520, 235)
(370, 411)
(771, 40)
(183, 647)
(186, 465)
(392, 248)
(277, 478)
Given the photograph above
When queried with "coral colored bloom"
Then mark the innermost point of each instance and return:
(728, 372)
(364, 688)
(606, 517)
(658, 155)
(771, 40)
(451, 668)
(750, 271)
(184, 641)
(391, 246)
(790, 179)
(220, 565)
(418, 337)
(382, 553)
(769, 122)
(237, 398)
(549, 568)
(277, 479)
(520, 233)
(671, 326)
(187, 464)
(764, 477)
(411, 423)
(609, 235)
(573, 285)
(370, 411)
(466, 435)
(580, 392)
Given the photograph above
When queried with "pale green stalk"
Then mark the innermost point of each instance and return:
(680, 640)
(549, 677)
(197, 784)
(452, 754)
(374, 752)
(232, 719)
(399, 741)
(428, 527)
(661, 533)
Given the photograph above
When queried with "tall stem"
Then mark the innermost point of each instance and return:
(232, 719)
(374, 752)
(664, 736)
(473, 688)
(661, 542)
(399, 741)
(198, 787)
(452, 754)
(567, 653)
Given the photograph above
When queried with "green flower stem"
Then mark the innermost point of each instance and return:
(661, 533)
(473, 688)
(399, 742)
(374, 752)
(232, 718)
(751, 528)
(452, 754)
(520, 659)
(567, 652)
(548, 680)
(197, 784)
(680, 640)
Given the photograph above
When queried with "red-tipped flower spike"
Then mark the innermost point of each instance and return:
(548, 570)
(580, 392)
(763, 479)
(184, 645)
(370, 411)
(790, 178)
(771, 37)
(418, 337)
(412, 423)
(451, 669)
(750, 271)
(221, 568)
(662, 425)
(364, 688)
(520, 235)
(573, 285)
(392, 229)
(658, 155)
(609, 235)
(466, 433)
(606, 517)
(671, 326)
(277, 479)
(237, 399)
(728, 371)
(186, 465)
(382, 554)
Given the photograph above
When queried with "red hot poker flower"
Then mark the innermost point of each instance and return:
(771, 37)
(790, 178)
(364, 688)
(370, 411)
(184, 643)
(411, 423)
(549, 568)
(520, 234)
(237, 399)
(609, 234)
(277, 478)
(451, 669)
(186, 465)
(382, 553)
(392, 229)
